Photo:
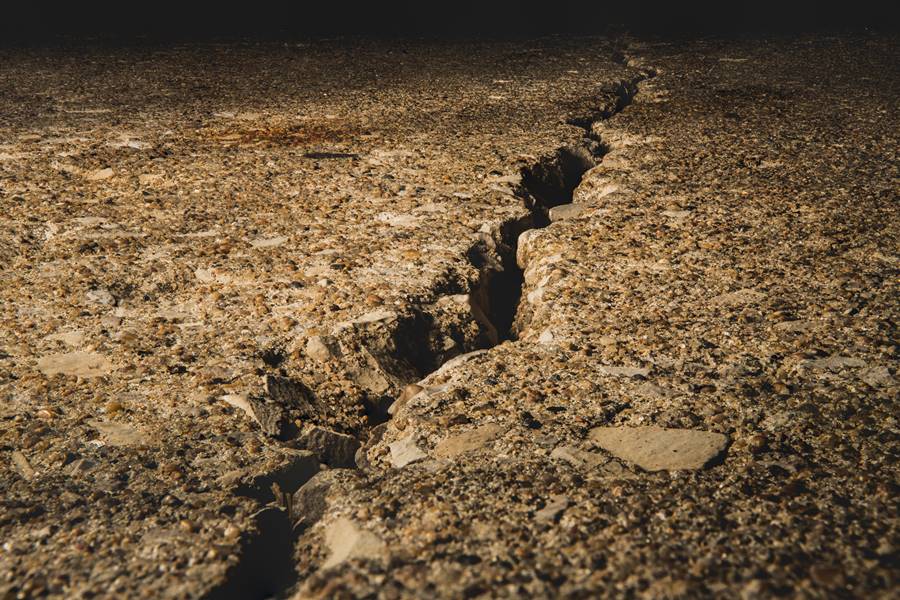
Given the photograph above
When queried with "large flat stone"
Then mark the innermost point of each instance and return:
(660, 449)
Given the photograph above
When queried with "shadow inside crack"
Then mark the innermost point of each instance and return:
(266, 565)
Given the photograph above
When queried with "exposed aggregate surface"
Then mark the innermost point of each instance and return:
(221, 264)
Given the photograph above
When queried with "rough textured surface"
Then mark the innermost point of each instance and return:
(659, 449)
(209, 251)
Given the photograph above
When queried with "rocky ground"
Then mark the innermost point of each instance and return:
(344, 318)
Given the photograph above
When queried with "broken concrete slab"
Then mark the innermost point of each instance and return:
(333, 448)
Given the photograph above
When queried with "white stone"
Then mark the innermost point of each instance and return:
(269, 242)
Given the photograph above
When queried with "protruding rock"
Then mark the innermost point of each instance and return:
(298, 467)
(287, 392)
(21, 464)
(659, 449)
(334, 449)
(408, 393)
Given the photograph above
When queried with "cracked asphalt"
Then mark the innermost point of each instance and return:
(247, 290)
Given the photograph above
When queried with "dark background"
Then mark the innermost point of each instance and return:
(36, 20)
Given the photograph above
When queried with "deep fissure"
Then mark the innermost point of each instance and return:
(266, 568)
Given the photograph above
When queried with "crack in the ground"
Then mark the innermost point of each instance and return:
(266, 568)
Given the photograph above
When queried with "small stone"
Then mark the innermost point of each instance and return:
(21, 464)
(657, 449)
(79, 466)
(826, 576)
(757, 443)
(565, 211)
(231, 532)
(113, 406)
(269, 242)
(186, 526)
(347, 541)
(405, 451)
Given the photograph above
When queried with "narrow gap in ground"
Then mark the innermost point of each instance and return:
(266, 569)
